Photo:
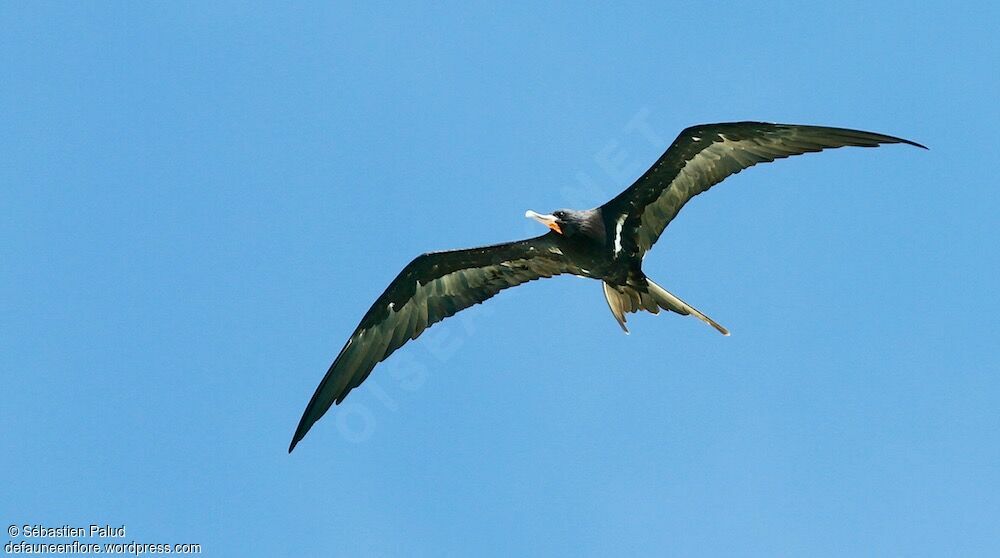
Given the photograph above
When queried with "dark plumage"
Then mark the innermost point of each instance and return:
(607, 243)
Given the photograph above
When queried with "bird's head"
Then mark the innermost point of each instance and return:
(562, 221)
(572, 223)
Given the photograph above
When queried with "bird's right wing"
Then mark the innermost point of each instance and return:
(431, 288)
(702, 156)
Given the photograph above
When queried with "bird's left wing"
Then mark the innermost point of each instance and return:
(431, 288)
(702, 156)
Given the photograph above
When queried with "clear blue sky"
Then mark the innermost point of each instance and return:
(200, 201)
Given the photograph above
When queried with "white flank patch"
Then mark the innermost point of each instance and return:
(618, 234)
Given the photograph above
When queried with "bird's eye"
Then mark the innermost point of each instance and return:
(560, 214)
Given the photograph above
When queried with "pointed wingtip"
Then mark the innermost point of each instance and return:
(894, 139)
(915, 144)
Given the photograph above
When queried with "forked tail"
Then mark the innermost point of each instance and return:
(650, 297)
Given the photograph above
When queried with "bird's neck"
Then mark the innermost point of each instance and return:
(590, 225)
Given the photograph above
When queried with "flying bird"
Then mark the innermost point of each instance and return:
(607, 243)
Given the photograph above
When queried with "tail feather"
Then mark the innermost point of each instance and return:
(618, 303)
(671, 302)
(628, 299)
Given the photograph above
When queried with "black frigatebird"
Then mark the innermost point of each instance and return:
(607, 243)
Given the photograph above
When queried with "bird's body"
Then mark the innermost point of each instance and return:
(607, 243)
